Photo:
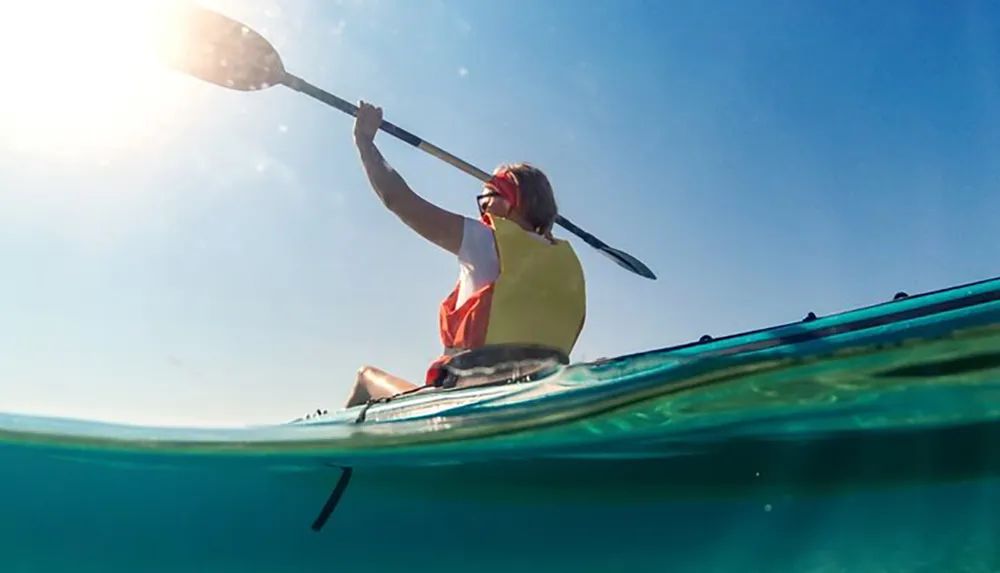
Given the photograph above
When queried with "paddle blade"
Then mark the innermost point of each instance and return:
(217, 49)
(628, 262)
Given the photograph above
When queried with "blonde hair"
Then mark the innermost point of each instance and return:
(538, 201)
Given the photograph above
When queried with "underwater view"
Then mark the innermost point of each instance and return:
(677, 287)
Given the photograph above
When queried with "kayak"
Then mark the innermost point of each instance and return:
(712, 455)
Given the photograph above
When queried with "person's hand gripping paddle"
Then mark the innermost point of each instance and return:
(217, 49)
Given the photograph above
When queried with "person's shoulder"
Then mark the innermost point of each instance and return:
(477, 240)
(476, 226)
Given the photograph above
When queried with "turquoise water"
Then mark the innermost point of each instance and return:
(869, 449)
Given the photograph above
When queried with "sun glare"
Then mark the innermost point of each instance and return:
(82, 76)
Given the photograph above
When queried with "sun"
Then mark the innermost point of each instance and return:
(81, 76)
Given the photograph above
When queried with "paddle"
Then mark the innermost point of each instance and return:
(217, 49)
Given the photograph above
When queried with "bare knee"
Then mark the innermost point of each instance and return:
(374, 384)
(362, 391)
(367, 373)
(369, 381)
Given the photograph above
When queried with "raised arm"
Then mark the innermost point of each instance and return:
(437, 225)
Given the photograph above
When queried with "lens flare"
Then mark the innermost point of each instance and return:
(83, 77)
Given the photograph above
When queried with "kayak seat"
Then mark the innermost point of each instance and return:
(499, 363)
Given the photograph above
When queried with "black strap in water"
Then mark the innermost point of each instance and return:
(345, 475)
(334, 499)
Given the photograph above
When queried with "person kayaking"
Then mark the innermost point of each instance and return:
(516, 284)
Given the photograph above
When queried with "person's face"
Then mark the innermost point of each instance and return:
(492, 203)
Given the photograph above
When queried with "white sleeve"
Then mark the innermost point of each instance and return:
(478, 253)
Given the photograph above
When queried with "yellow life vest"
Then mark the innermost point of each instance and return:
(539, 297)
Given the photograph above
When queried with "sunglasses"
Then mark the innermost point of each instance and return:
(481, 198)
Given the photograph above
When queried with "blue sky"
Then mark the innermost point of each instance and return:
(192, 255)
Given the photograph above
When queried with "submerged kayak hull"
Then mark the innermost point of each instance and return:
(842, 434)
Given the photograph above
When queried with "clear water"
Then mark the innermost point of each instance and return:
(771, 462)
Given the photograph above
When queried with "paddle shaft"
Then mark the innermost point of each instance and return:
(300, 85)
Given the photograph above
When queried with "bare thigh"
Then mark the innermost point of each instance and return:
(373, 384)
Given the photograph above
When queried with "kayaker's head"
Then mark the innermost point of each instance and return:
(520, 193)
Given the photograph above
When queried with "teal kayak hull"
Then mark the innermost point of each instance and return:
(860, 441)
